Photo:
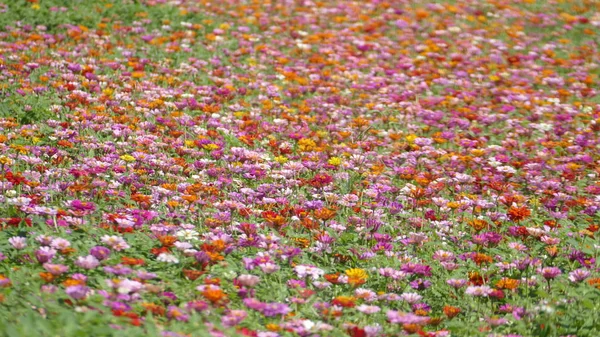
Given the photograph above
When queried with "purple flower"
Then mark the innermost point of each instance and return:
(45, 254)
(550, 272)
(274, 309)
(233, 318)
(420, 284)
(176, 313)
(202, 257)
(578, 275)
(118, 269)
(77, 292)
(100, 252)
(197, 306)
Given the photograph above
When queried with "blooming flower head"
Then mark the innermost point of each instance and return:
(307, 270)
(479, 291)
(115, 242)
(55, 269)
(87, 262)
(405, 318)
(550, 272)
(77, 292)
(248, 280)
(356, 276)
(168, 258)
(579, 275)
(18, 242)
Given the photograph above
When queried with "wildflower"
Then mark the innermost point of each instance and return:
(368, 309)
(77, 292)
(115, 242)
(55, 269)
(334, 161)
(307, 270)
(128, 158)
(550, 272)
(4, 281)
(478, 291)
(176, 313)
(87, 262)
(398, 317)
(518, 214)
(356, 276)
(100, 253)
(507, 283)
(344, 301)
(44, 254)
(168, 258)
(451, 311)
(233, 318)
(18, 242)
(248, 280)
(579, 275)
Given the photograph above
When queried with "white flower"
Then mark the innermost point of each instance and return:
(187, 235)
(166, 257)
(20, 201)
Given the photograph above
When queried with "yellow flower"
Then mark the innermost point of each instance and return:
(335, 161)
(4, 160)
(356, 276)
(127, 158)
(281, 159)
(210, 147)
(306, 144)
(411, 138)
(272, 327)
(189, 143)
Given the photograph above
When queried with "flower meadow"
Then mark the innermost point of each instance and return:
(299, 168)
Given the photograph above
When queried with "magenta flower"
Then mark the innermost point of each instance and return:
(550, 273)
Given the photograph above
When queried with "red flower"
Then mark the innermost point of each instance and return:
(247, 332)
(356, 332)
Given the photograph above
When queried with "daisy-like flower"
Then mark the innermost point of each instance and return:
(18, 242)
(579, 275)
(478, 291)
(368, 309)
(307, 270)
(168, 258)
(187, 235)
(115, 242)
(356, 276)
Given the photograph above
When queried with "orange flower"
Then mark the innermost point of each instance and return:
(517, 214)
(594, 282)
(167, 240)
(192, 274)
(72, 282)
(155, 309)
(214, 295)
(477, 224)
(480, 258)
(451, 311)
(356, 276)
(130, 261)
(324, 213)
(47, 277)
(507, 283)
(344, 301)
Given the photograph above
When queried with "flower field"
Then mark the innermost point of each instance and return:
(299, 168)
